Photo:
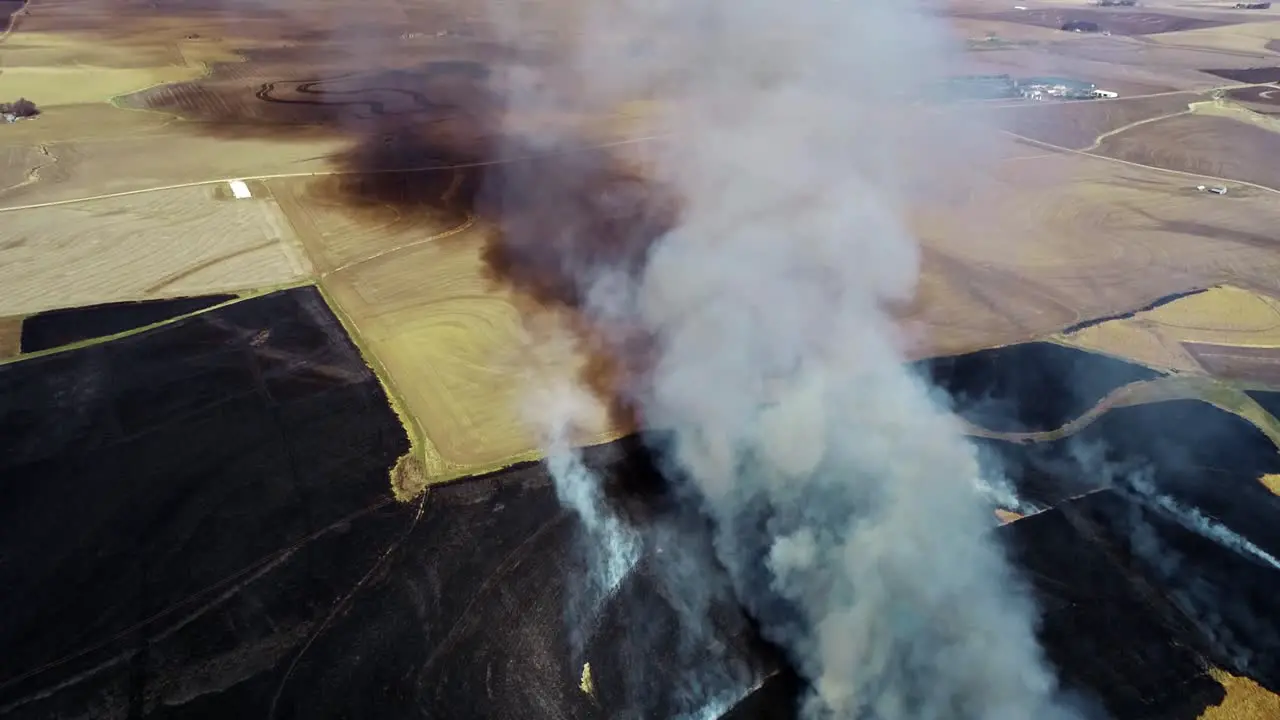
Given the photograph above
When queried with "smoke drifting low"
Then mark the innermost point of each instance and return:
(848, 506)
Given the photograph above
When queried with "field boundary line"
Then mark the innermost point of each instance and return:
(1097, 142)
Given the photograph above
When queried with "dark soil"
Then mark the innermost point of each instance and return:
(1114, 643)
(146, 481)
(7, 9)
(1264, 99)
(1235, 362)
(1248, 75)
(1228, 597)
(195, 522)
(1117, 22)
(1200, 455)
(56, 328)
(1029, 387)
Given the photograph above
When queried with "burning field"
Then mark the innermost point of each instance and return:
(631, 360)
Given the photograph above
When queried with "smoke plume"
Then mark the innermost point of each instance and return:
(848, 507)
(1197, 522)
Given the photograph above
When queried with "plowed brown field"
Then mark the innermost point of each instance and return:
(1216, 146)
(1078, 124)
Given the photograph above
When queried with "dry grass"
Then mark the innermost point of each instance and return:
(1007, 516)
(1272, 482)
(1163, 389)
(1041, 244)
(19, 167)
(162, 244)
(1209, 145)
(459, 353)
(35, 49)
(1048, 242)
(337, 234)
(53, 86)
(1220, 316)
(1079, 124)
(1135, 342)
(1245, 700)
(10, 337)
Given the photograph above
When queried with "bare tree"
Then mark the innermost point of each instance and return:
(21, 108)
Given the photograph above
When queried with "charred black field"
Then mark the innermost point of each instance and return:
(197, 522)
(1030, 387)
(55, 328)
(1251, 76)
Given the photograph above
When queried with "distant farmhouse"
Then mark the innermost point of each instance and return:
(1253, 6)
(998, 87)
(1043, 88)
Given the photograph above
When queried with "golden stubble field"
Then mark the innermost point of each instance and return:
(1225, 316)
(463, 356)
(168, 243)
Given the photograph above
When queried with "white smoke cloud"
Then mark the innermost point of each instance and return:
(613, 548)
(848, 505)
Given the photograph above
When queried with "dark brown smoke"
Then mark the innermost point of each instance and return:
(563, 213)
(563, 210)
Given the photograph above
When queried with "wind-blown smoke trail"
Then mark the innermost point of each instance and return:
(613, 548)
(1199, 523)
(846, 502)
(616, 548)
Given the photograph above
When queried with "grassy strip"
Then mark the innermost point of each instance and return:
(424, 463)
(1220, 394)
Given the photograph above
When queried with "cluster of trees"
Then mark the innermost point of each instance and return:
(21, 108)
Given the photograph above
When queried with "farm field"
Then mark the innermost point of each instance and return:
(1236, 362)
(1108, 239)
(305, 472)
(1078, 125)
(1215, 146)
(169, 243)
(1160, 337)
(1262, 99)
(461, 353)
(339, 232)
(1246, 37)
(1117, 23)
(10, 336)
